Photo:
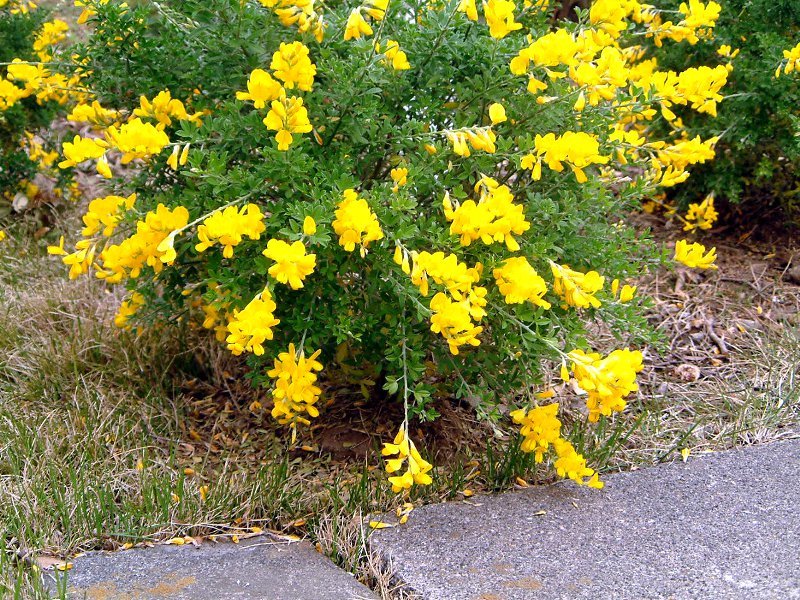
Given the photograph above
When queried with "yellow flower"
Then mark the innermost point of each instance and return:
(540, 428)
(518, 281)
(309, 226)
(499, 16)
(480, 138)
(702, 215)
(295, 392)
(104, 214)
(81, 149)
(102, 167)
(127, 309)
(355, 223)
(573, 465)
(577, 149)
(457, 278)
(575, 288)
(469, 8)
(626, 294)
(261, 89)
(494, 218)
(92, 113)
(136, 139)
(3, 235)
(497, 114)
(287, 116)
(250, 327)
(229, 226)
(395, 57)
(356, 26)
(9, 94)
(400, 178)
(291, 64)
(292, 264)
(792, 58)
(452, 320)
(52, 33)
(151, 245)
(694, 255)
(163, 108)
(405, 451)
(606, 380)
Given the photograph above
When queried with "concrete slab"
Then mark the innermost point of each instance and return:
(253, 569)
(722, 526)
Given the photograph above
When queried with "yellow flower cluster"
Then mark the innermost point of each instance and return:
(606, 380)
(292, 264)
(357, 26)
(698, 21)
(17, 7)
(301, 13)
(163, 108)
(480, 138)
(292, 65)
(697, 87)
(355, 223)
(494, 218)
(455, 276)
(577, 149)
(287, 116)
(694, 255)
(417, 468)
(80, 150)
(669, 164)
(151, 245)
(792, 64)
(702, 215)
(499, 15)
(52, 33)
(518, 281)
(250, 327)
(137, 140)
(228, 228)
(92, 113)
(37, 80)
(127, 309)
(452, 318)
(454, 310)
(104, 214)
(394, 56)
(541, 430)
(573, 465)
(575, 288)
(295, 392)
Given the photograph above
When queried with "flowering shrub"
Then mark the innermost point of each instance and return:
(433, 191)
(758, 155)
(31, 95)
